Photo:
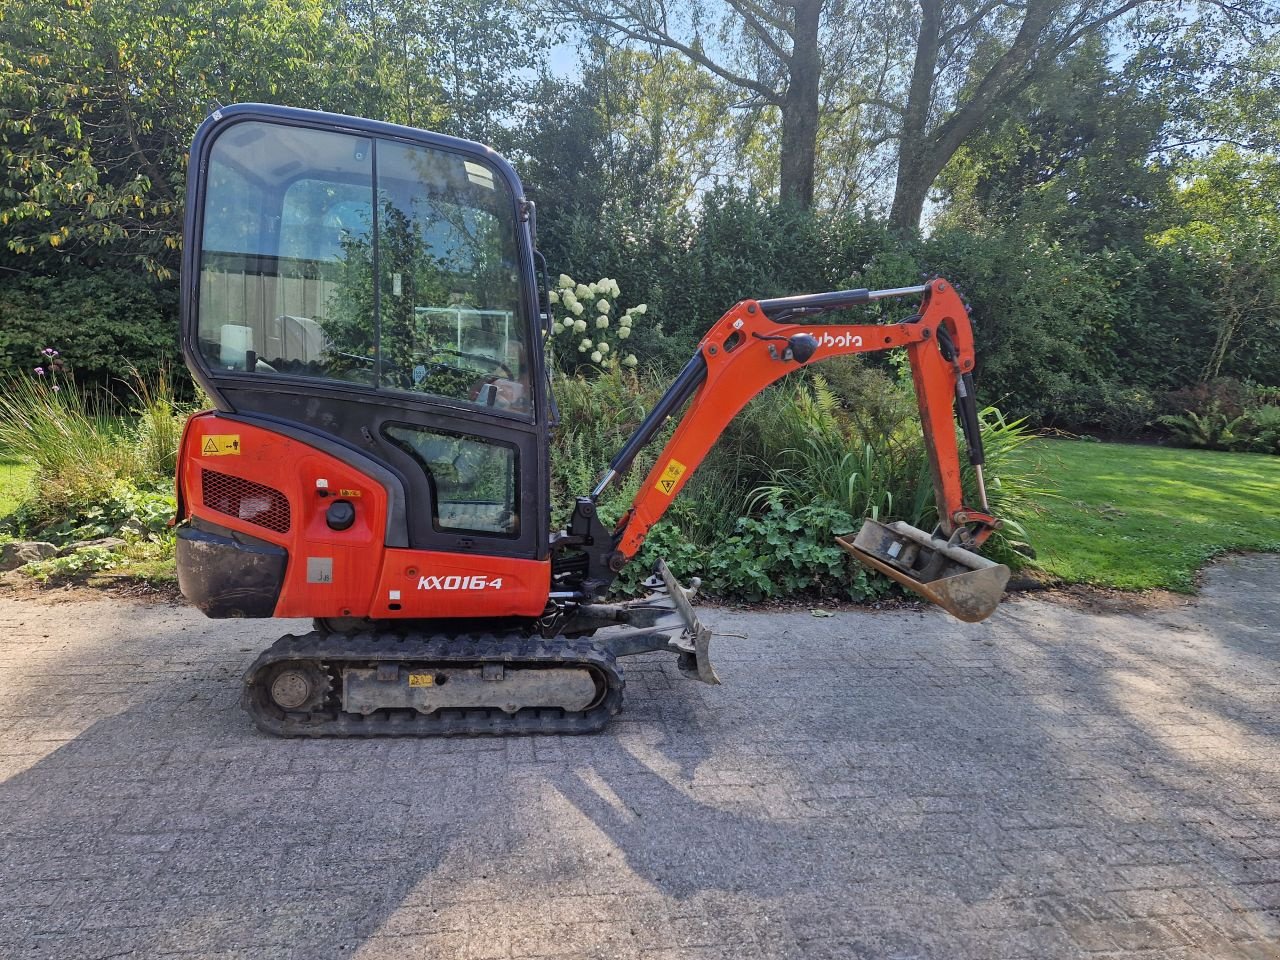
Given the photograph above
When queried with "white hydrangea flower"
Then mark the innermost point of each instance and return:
(624, 332)
(581, 348)
(586, 342)
(630, 360)
(604, 347)
(613, 286)
(641, 308)
(553, 296)
(556, 327)
(568, 298)
(582, 291)
(602, 322)
(576, 307)
(596, 356)
(566, 282)
(602, 306)
(627, 320)
(579, 326)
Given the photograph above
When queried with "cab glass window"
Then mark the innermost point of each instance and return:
(368, 261)
(473, 481)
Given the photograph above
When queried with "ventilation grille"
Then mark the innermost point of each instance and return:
(245, 500)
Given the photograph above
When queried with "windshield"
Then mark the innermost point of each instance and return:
(368, 261)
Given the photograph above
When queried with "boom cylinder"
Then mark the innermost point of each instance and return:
(682, 388)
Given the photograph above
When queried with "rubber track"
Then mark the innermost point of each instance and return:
(329, 651)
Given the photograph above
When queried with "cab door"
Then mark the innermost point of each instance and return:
(369, 288)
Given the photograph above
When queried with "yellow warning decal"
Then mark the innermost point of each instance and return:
(220, 445)
(670, 476)
(422, 679)
(345, 492)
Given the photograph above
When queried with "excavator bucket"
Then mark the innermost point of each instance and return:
(967, 586)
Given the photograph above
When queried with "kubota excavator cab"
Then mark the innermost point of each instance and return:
(360, 304)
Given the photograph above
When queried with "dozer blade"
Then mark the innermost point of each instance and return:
(967, 586)
(694, 643)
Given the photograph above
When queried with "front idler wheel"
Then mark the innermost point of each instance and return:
(297, 687)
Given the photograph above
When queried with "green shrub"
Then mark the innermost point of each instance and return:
(1263, 426)
(1222, 395)
(159, 421)
(597, 415)
(867, 458)
(784, 552)
(1212, 429)
(77, 564)
(1016, 489)
(109, 320)
(79, 449)
(83, 445)
(1069, 335)
(100, 469)
(588, 329)
(125, 509)
(775, 554)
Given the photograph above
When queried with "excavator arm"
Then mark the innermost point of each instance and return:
(754, 345)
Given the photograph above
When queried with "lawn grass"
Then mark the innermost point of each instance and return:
(15, 476)
(1137, 517)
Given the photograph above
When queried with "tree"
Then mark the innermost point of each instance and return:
(922, 75)
(1232, 221)
(670, 118)
(1227, 209)
(972, 59)
(99, 100)
(455, 66)
(639, 133)
(1077, 154)
(770, 51)
(560, 149)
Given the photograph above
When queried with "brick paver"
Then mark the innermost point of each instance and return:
(1054, 783)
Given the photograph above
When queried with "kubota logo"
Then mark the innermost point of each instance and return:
(460, 583)
(844, 340)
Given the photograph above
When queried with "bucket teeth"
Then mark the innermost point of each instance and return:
(967, 586)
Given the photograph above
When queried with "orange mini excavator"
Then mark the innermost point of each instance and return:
(361, 302)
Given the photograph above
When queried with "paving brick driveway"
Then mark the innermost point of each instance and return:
(1052, 784)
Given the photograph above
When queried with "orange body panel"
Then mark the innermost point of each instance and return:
(423, 583)
(253, 481)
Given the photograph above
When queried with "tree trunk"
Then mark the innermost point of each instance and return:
(924, 152)
(800, 108)
(913, 179)
(909, 194)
